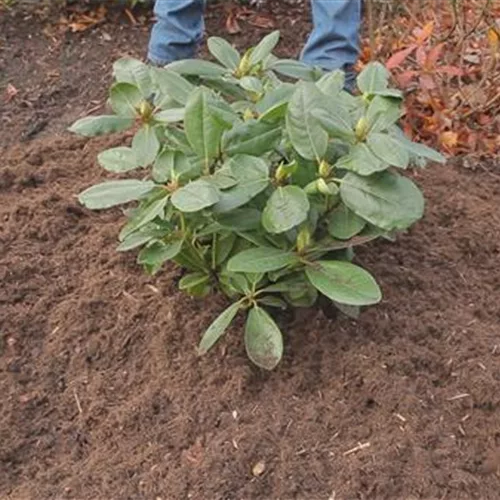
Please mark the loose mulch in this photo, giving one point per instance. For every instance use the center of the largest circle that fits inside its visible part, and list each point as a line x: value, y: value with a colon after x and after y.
x: 103, y: 394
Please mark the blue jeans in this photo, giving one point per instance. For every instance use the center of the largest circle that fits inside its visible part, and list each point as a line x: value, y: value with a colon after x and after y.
x: 333, y: 43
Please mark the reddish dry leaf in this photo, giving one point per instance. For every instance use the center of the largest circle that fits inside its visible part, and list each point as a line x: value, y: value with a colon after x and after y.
x: 421, y: 56
x: 422, y: 34
x: 451, y: 70
x: 433, y: 55
x: 427, y: 81
x: 260, y: 21
x: 404, y: 79
x: 399, y: 57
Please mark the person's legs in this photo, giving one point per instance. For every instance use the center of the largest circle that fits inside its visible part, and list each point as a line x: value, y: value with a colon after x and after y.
x: 177, y: 32
x: 334, y: 41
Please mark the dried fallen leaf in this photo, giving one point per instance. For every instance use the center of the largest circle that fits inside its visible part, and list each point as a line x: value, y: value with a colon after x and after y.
x: 449, y: 139
x: 232, y: 25
x: 10, y: 92
x: 260, y: 21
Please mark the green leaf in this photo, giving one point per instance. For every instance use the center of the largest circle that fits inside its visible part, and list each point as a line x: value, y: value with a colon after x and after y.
x: 306, y: 133
x: 100, y: 125
x: 388, y: 149
x: 112, y: 193
x: 332, y: 83
x: 145, y: 145
x: 252, y: 174
x: 386, y: 200
x: 261, y: 260
x: 240, y: 219
x: 120, y: 159
x: 217, y: 328
x: 252, y: 84
x: 224, y: 52
x: 202, y: 129
x: 263, y: 339
x: 275, y: 113
x: 251, y: 137
x: 286, y: 208
x: 344, y: 223
x: 156, y: 254
x: 173, y: 85
x: 264, y: 48
x: 350, y: 311
x: 382, y: 113
x: 344, y: 283
x: 277, y: 96
x: 146, y: 212
x: 195, y: 196
x: 222, y: 178
x: 273, y: 302
x: 197, y: 67
x: 373, y: 78
x: 336, y: 121
x: 125, y: 99
x: 361, y: 160
x: 173, y: 165
x: 419, y: 150
x: 223, y: 247
x: 135, y: 72
x: 140, y: 237
x: 172, y: 115
x: 293, y: 69
x: 193, y: 280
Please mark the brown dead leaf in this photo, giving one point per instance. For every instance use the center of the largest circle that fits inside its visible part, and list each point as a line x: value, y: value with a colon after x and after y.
x: 261, y: 21
x: 448, y: 139
x: 232, y: 25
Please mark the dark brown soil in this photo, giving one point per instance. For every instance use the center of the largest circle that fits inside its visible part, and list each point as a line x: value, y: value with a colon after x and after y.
x: 104, y: 397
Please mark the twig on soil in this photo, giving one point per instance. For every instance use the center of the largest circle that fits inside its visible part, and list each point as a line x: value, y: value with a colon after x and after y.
x: 459, y: 396
x: 361, y: 446
x: 79, y: 406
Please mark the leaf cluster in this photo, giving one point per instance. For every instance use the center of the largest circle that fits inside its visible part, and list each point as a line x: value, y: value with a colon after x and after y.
x: 258, y: 176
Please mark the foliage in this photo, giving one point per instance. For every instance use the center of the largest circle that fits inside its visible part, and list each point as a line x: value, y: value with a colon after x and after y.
x: 256, y: 186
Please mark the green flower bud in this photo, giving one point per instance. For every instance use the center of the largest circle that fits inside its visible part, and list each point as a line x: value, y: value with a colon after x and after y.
x: 361, y: 129
x: 303, y: 239
x: 324, y: 169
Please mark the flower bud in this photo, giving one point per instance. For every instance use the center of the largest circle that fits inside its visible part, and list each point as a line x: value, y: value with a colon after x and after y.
x: 303, y: 239
x: 323, y: 187
x: 324, y: 169
x: 145, y: 110
x: 361, y: 129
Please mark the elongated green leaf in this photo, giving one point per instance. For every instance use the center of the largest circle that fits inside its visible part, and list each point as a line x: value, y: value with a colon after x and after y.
x: 251, y: 137
x: 240, y: 219
x: 120, y: 159
x: 195, y: 196
x: 271, y: 301
x: 223, y: 247
x: 171, y: 115
x: 336, y: 121
x: 277, y: 96
x: 202, y: 129
x: 388, y: 149
x: 362, y: 161
x: 193, y: 280
x: 125, y: 99
x: 217, y: 328
x: 344, y: 283
x: 261, y: 260
x: 146, y: 212
x: 145, y: 145
x: 332, y: 83
x: 263, y: 339
x: 135, y: 72
x: 275, y: 113
x: 223, y: 178
x: 383, y: 113
x: 112, y: 193
x: 264, y: 48
x: 344, y: 223
x: 197, y: 67
x: 224, y: 52
x: 171, y: 165
x: 140, y: 237
x: 252, y: 174
x: 286, y: 208
x: 156, y: 254
x: 100, y: 125
x: 419, y: 150
x: 307, y: 135
x: 294, y: 69
x: 252, y: 84
x: 173, y: 85
x: 374, y: 77
x: 386, y: 200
